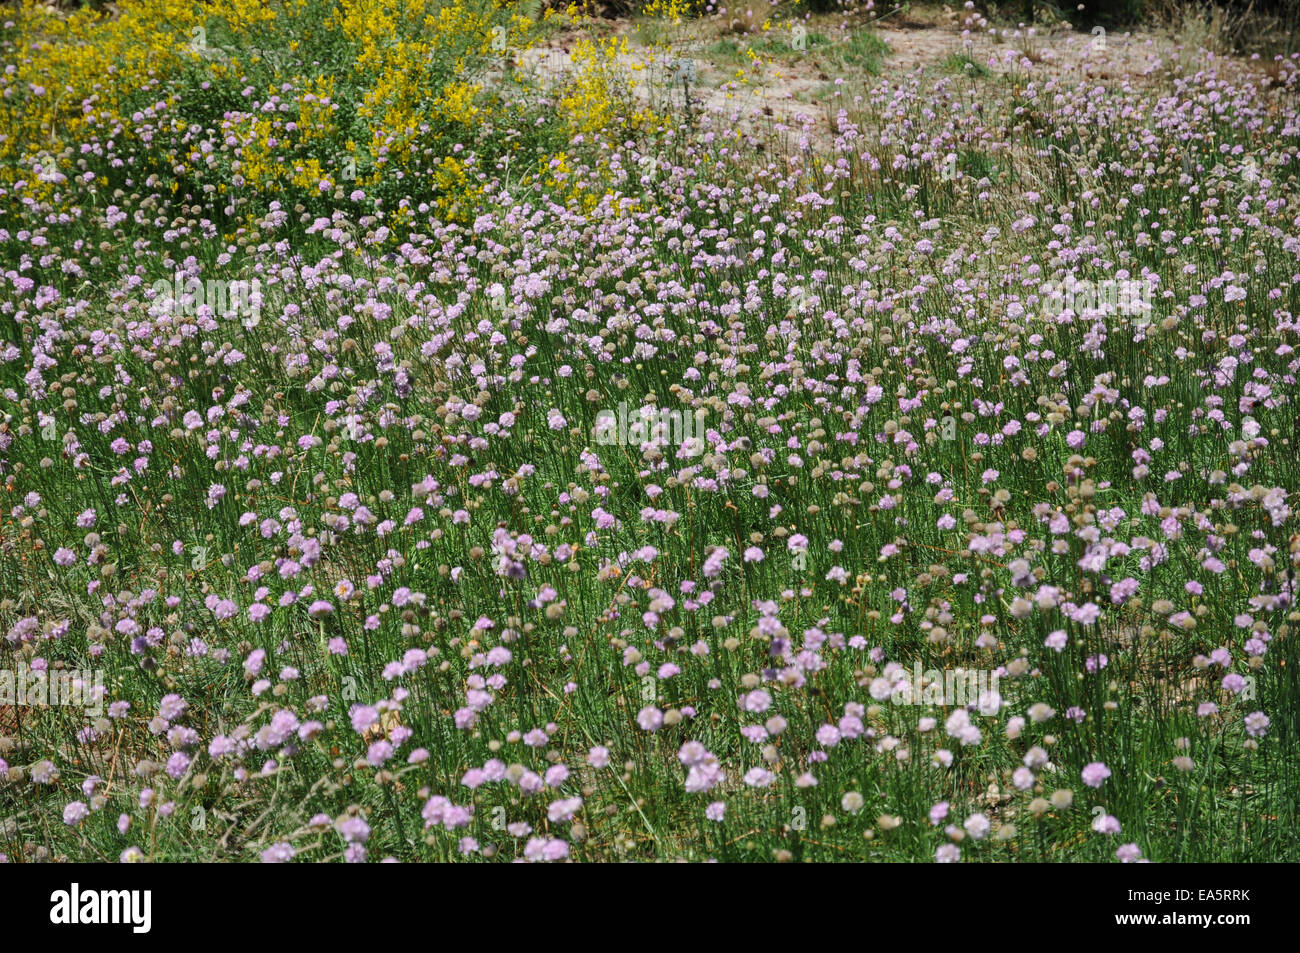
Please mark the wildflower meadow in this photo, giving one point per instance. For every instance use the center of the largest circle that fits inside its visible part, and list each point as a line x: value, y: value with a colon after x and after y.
x: 475, y: 431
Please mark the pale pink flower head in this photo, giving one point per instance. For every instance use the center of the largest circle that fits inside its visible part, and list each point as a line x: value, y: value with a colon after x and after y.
x: 1095, y: 774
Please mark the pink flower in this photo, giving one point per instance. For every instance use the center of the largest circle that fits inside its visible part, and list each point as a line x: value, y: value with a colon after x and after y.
x: 650, y: 718
x: 1095, y: 774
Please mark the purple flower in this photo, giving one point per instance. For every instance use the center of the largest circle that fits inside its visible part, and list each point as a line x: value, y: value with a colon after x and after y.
x: 353, y: 830
x: 1094, y: 774
x: 171, y: 707
x: 279, y: 853
x: 363, y: 717
x: 650, y: 718
x: 320, y: 609
x: 1105, y: 824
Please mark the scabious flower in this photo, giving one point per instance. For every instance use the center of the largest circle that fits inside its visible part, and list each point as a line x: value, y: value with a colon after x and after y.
x: 545, y: 849
x: 650, y: 718
x: 713, y: 563
x: 703, y: 770
x: 1256, y: 724
x: 1094, y: 774
x: 320, y: 609
x: 828, y: 736
x: 353, y: 829
x: 363, y: 717
x: 278, y: 853
x: 1128, y: 853
x: 171, y: 707
x: 1105, y: 824
x: 536, y: 738
x: 563, y: 809
x: 759, y: 778
x: 256, y: 659
x: 977, y: 826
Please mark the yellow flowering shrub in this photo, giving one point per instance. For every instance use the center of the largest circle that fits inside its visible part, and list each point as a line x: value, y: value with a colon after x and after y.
x: 598, y: 96
x: 674, y: 11
x: 401, y: 105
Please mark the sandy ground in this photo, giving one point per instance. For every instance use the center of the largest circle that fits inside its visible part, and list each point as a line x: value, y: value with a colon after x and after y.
x: 795, y: 90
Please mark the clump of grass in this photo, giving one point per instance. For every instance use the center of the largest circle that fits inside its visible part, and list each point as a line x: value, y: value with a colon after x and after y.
x: 963, y: 65
x: 865, y: 50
